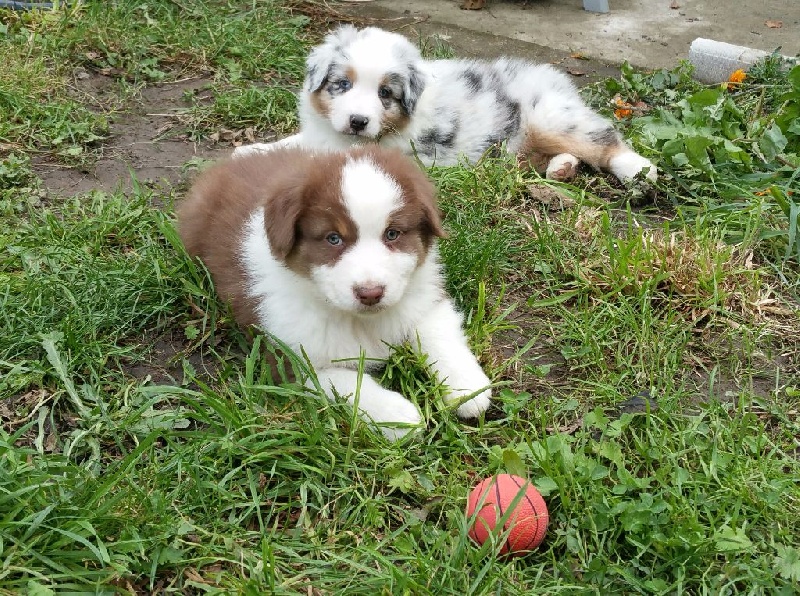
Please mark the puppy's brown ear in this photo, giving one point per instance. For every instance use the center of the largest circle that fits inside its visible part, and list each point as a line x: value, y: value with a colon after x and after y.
x: 418, y: 187
x: 281, y: 214
x: 426, y: 194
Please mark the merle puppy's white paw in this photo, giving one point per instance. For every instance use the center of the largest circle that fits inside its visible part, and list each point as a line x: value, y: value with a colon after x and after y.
x: 253, y: 149
x: 562, y: 167
x: 627, y: 165
x: 476, y: 406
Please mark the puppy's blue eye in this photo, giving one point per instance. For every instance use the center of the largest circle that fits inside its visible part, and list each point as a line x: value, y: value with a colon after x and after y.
x: 345, y: 84
x: 391, y: 235
x: 384, y: 93
x: 334, y: 239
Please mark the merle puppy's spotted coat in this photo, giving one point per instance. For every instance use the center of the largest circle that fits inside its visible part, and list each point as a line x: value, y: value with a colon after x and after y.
x: 371, y: 85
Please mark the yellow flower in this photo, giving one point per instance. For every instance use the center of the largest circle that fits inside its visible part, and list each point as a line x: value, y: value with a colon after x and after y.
x: 623, y: 108
x: 736, y: 78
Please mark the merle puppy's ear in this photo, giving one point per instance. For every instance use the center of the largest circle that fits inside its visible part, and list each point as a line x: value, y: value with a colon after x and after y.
x: 415, y: 78
x: 413, y: 88
x: 322, y: 57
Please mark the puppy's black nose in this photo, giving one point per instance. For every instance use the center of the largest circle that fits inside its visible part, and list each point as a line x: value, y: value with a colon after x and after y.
x: 358, y: 122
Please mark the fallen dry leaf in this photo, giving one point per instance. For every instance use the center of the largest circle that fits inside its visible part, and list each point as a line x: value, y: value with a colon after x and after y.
x: 51, y: 442
x: 550, y: 197
x: 567, y: 429
x: 575, y: 72
x: 472, y: 4
x: 578, y: 56
x: 774, y: 24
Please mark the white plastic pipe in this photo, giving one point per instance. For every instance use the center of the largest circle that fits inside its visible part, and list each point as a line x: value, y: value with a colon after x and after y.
x: 714, y: 61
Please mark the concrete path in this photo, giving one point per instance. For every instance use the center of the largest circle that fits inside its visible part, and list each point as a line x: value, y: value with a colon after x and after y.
x: 646, y: 33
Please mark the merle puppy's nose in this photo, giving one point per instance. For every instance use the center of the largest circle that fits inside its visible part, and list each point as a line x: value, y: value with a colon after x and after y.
x: 358, y: 122
x: 369, y: 295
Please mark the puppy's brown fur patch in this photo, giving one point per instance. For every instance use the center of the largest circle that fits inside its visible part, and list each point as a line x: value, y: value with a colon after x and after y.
x: 321, y: 101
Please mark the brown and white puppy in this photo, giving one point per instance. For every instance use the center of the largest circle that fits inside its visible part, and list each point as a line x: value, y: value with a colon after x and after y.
x: 336, y: 253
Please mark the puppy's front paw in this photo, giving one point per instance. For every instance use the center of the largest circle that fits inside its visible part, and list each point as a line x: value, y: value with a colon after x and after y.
x: 476, y: 406
x: 468, y: 384
x: 253, y: 149
x: 562, y: 167
x: 392, y: 413
x: 628, y: 164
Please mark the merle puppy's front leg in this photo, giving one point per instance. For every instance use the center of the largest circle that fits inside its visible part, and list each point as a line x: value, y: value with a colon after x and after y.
x: 255, y: 148
x: 392, y: 413
x: 442, y: 338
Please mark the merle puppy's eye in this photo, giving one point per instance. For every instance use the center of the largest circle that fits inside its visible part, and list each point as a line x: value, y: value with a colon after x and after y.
x: 384, y: 92
x: 334, y: 239
x: 344, y: 84
x: 391, y: 235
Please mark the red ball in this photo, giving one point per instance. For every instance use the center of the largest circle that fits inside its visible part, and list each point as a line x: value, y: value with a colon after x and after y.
x: 525, y: 525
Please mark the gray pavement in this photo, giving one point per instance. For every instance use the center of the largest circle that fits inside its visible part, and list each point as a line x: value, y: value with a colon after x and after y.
x: 646, y: 33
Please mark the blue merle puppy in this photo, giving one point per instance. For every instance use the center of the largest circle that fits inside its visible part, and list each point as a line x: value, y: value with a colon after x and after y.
x: 373, y: 86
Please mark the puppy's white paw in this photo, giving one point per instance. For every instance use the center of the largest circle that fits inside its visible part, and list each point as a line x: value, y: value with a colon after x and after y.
x: 392, y: 413
x: 465, y: 384
x: 253, y: 149
x: 389, y: 411
x: 628, y: 164
x: 476, y: 406
x: 562, y: 167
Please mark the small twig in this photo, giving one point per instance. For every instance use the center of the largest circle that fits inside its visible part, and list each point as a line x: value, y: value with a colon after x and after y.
x: 44, y: 396
x: 414, y: 22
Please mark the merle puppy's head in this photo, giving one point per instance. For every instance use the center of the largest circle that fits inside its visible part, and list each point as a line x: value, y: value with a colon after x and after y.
x: 365, y: 82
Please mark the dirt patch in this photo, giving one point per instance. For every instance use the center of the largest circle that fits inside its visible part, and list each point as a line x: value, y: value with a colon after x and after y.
x: 164, y: 364
x: 140, y: 142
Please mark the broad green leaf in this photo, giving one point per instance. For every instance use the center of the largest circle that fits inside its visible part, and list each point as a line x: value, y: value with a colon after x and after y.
x: 34, y: 588
x: 730, y: 539
x: 794, y: 77
x: 513, y: 463
x: 401, y: 480
x: 170, y: 555
x: 697, y: 151
x: 611, y: 451
x: 545, y: 485
x: 787, y: 562
x: 773, y: 142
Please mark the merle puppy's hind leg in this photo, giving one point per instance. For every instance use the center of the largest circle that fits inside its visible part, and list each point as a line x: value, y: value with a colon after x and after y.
x: 600, y: 146
x: 563, y: 167
x: 562, y: 127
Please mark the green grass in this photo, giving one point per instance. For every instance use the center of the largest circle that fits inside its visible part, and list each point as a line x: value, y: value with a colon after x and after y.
x: 146, y: 445
x: 36, y: 109
x: 250, y: 52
